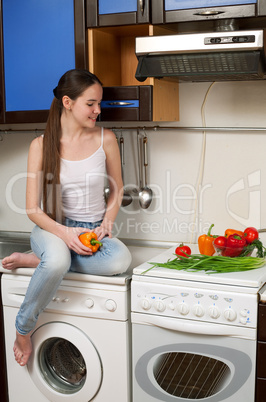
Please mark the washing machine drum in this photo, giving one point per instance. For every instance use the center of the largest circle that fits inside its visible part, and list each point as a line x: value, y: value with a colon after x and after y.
x: 64, y: 364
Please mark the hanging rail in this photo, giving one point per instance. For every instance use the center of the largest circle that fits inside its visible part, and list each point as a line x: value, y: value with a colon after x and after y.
x: 187, y: 128
x: 30, y: 130
x: 154, y: 128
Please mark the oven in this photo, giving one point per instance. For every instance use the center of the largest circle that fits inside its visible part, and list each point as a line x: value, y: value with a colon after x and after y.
x: 194, y: 339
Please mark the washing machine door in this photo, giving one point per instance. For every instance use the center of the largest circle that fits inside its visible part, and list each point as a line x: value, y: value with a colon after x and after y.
x: 65, y: 364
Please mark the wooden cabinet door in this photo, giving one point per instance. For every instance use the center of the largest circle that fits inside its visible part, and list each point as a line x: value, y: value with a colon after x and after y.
x: 261, y: 354
x: 102, y: 13
x: 41, y: 41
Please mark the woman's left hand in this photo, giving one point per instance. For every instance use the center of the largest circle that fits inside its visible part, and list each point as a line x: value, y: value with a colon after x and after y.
x: 102, y: 231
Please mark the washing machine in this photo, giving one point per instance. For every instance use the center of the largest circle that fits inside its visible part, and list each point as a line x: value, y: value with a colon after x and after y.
x: 81, y: 343
x: 82, y: 340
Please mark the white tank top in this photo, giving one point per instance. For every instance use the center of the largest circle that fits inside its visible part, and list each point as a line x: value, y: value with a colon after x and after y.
x: 82, y: 186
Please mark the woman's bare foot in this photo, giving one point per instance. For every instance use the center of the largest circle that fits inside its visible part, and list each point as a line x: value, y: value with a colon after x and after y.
x: 22, y: 348
x: 20, y: 260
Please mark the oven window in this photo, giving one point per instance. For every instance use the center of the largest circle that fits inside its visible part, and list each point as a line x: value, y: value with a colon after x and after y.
x: 188, y: 375
x: 62, y: 365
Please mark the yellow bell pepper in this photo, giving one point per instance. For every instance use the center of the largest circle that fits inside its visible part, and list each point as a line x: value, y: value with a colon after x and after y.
x: 205, y: 243
x: 90, y: 239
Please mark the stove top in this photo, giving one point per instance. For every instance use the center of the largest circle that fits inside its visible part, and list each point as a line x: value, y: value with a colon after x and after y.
x: 252, y: 279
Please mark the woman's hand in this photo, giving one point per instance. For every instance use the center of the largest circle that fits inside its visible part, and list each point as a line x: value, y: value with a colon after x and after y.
x: 103, y: 230
x: 71, y: 238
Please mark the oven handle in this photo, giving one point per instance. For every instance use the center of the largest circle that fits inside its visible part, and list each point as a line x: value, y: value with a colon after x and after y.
x: 193, y: 327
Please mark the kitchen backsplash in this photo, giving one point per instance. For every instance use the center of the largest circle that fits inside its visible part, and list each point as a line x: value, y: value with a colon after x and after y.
x: 232, y: 192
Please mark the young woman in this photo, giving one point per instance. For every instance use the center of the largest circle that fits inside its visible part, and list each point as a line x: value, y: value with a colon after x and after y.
x: 65, y: 197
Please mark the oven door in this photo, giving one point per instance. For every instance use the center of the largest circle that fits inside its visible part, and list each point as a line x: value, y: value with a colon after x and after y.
x: 176, y: 360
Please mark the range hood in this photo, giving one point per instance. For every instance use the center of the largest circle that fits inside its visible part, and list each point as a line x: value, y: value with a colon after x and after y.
x: 217, y: 56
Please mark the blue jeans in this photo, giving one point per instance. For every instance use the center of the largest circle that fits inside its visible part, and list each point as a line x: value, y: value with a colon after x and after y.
x: 56, y: 260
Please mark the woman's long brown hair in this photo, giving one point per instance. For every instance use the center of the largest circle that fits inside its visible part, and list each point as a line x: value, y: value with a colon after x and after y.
x: 72, y: 84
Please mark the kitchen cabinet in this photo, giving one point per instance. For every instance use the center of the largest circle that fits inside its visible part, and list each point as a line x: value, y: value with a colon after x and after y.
x: 169, y: 11
x: 261, y: 355
x: 112, y: 58
x: 117, y: 12
x: 2, y: 95
x: 41, y: 40
x: 120, y: 12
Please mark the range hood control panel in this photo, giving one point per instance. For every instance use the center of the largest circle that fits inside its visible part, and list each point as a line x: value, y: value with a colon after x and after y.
x: 229, y: 39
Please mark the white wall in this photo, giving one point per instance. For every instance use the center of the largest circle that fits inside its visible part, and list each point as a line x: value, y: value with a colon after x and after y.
x: 13, y: 168
x: 234, y: 182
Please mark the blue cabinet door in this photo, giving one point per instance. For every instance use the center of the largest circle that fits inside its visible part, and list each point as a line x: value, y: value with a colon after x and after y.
x: 38, y: 46
x: 117, y: 6
x: 117, y: 12
x: 186, y: 4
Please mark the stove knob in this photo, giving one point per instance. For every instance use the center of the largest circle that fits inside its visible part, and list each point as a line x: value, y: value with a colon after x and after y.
x: 198, y: 310
x: 214, y: 312
x: 89, y: 303
x: 243, y: 321
x: 159, y: 305
x: 183, y: 308
x: 244, y: 313
x: 145, y: 304
x: 56, y: 299
x: 230, y: 314
x: 110, y: 305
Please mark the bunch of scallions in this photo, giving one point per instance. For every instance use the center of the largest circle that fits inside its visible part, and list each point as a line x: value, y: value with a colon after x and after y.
x: 211, y: 264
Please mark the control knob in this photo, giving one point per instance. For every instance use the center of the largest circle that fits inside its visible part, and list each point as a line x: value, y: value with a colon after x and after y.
x: 110, y: 305
x: 244, y: 317
x: 145, y: 303
x: 214, y: 312
x: 230, y: 314
x: 89, y: 303
x: 198, y: 310
x: 159, y: 305
x: 243, y: 321
x: 183, y: 308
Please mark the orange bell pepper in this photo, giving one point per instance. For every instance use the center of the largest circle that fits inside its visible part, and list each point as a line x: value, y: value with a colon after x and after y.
x: 89, y: 239
x: 205, y: 243
x: 230, y: 232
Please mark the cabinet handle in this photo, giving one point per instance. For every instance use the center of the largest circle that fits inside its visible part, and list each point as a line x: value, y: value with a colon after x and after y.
x: 120, y: 103
x: 142, y: 6
x: 210, y: 12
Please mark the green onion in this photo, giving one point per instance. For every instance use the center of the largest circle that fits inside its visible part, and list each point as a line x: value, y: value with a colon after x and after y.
x: 211, y: 264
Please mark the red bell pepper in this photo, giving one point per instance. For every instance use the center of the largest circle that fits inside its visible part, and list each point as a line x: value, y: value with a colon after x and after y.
x: 234, y: 246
